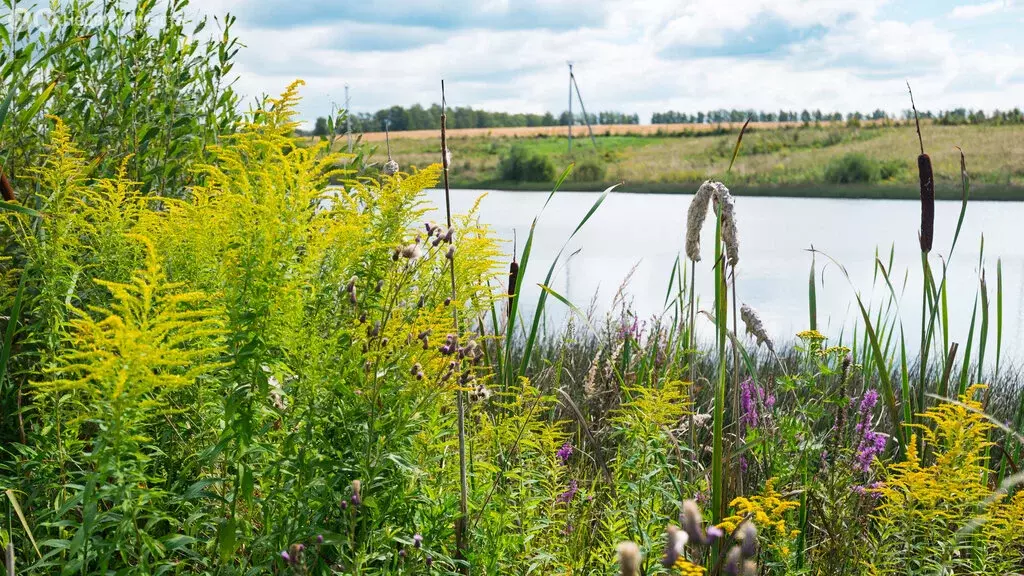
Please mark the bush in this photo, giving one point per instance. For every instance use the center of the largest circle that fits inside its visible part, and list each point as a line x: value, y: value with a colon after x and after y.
x: 522, y: 165
x: 588, y: 170
x: 852, y: 168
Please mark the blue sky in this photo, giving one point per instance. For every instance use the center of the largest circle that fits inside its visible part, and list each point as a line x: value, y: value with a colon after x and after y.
x: 634, y: 55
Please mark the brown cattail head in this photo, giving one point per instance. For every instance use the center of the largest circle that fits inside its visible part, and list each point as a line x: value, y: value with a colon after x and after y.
x: 5, y: 188
x: 924, y: 169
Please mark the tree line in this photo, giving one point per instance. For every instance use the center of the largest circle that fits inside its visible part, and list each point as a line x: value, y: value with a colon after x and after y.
x: 416, y: 117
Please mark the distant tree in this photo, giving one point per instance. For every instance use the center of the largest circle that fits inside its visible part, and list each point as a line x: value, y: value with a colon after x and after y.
x: 320, y: 128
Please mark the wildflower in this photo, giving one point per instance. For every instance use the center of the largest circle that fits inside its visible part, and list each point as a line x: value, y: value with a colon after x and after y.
x: 401, y: 553
x: 749, y: 399
x: 724, y: 202
x: 569, y: 494
x: 319, y: 538
x: 429, y: 561
x: 344, y: 505
x: 357, y: 497
x: 693, y: 522
x: 695, y: 217
x: 411, y: 252
x: 448, y: 235
x: 286, y: 557
x: 871, y: 445
x: 417, y: 540
x: 714, y: 533
x: 447, y: 301
x: 564, y: 453
x: 755, y: 327
x: 810, y: 335
x: 687, y: 568
x: 450, y: 253
x: 380, y: 286
x: 675, y: 544
x: 390, y: 168
x: 629, y: 559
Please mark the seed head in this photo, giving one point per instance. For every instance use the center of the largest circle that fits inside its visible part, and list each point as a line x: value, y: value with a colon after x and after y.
x: 390, y: 168
x: 411, y: 252
x: 695, y: 217
x: 675, y: 544
x: 725, y: 201
x: 755, y: 327
x: 629, y: 559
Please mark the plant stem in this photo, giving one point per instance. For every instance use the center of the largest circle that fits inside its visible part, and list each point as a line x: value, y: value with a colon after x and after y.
x: 460, y: 524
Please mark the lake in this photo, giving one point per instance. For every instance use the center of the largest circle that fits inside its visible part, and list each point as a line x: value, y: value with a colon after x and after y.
x: 646, y: 231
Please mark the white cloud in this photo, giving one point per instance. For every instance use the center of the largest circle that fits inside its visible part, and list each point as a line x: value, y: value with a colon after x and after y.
x: 858, y: 59
x: 970, y: 11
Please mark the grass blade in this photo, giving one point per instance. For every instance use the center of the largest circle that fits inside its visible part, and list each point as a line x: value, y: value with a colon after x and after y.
x: 24, y: 522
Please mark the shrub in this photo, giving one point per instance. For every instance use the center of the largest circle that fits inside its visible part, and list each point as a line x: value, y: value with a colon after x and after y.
x: 852, y: 168
x: 522, y: 165
x: 588, y: 170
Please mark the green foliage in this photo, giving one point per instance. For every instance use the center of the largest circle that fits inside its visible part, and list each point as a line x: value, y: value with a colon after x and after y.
x: 589, y: 170
x: 140, y: 82
x: 852, y: 168
x: 521, y: 165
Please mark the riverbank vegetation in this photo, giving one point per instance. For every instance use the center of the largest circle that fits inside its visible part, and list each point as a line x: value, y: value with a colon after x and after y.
x: 215, y: 362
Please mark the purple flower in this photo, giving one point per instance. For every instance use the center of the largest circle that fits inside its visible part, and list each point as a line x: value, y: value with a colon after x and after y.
x: 564, y: 453
x: 429, y: 561
x: 286, y: 557
x: 750, y: 395
x: 714, y: 532
x: 743, y: 464
x: 567, y: 496
x: 417, y: 540
x: 867, y: 403
x: 319, y: 538
x: 871, y: 445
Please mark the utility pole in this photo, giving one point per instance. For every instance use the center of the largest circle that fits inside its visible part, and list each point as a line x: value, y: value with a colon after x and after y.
x: 572, y: 78
x: 570, y: 106
x: 348, y: 121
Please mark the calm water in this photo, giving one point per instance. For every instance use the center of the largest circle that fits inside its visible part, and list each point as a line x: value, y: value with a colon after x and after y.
x: 646, y: 231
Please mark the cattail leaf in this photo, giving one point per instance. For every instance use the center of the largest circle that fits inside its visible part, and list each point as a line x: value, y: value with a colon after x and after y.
x: 21, y: 518
x: 5, y: 106
x: 13, y: 207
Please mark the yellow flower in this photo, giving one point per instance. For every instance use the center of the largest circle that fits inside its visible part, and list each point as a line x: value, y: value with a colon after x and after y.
x: 687, y: 568
x: 810, y: 335
x: 767, y: 510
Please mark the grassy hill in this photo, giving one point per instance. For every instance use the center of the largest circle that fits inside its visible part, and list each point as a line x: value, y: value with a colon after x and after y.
x: 837, y: 160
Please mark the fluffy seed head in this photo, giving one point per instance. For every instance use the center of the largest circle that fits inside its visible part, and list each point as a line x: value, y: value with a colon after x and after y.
x: 729, y: 236
x: 695, y: 217
x: 675, y: 543
x: 629, y: 559
x: 755, y: 327
x: 390, y: 168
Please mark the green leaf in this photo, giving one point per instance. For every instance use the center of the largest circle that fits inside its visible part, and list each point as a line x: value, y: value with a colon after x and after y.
x: 226, y: 539
x: 14, y: 207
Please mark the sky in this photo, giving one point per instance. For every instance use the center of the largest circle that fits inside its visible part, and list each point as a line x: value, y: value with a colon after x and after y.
x: 633, y: 56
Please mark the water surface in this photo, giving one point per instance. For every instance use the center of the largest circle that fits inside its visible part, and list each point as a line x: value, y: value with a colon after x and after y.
x: 643, y: 233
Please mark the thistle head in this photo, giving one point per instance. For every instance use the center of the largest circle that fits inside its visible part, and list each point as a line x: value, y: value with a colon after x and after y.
x: 629, y: 559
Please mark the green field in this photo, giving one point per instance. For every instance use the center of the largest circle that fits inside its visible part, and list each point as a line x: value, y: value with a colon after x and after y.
x: 791, y: 161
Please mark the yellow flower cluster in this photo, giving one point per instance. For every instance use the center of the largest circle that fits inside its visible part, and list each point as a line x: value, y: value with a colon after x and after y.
x: 837, y: 351
x: 924, y: 507
x: 767, y: 510
x: 687, y: 568
x: 810, y: 335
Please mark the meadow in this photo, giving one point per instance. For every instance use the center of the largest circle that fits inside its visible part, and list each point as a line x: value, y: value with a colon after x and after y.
x: 214, y: 361
x: 870, y: 160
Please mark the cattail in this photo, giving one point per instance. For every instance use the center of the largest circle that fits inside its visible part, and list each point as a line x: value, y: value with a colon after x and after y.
x: 5, y: 188
x: 675, y: 543
x: 629, y: 559
x: 755, y: 327
x: 695, y: 219
x: 724, y: 202
x: 924, y: 171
